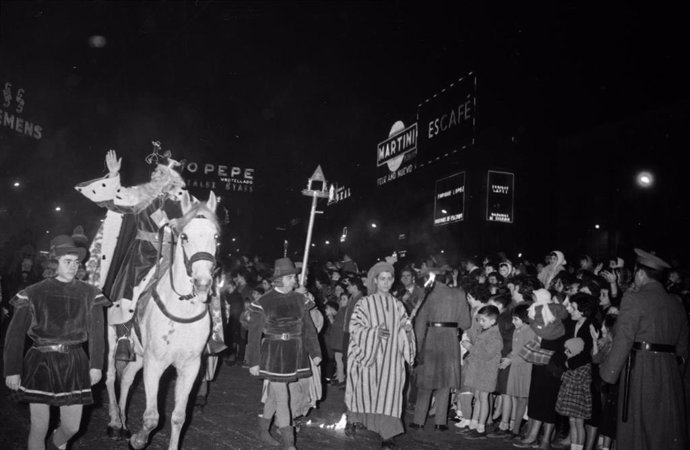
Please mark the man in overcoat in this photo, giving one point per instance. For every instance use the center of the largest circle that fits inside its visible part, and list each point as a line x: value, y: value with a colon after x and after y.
x: 439, y: 321
x: 650, y: 339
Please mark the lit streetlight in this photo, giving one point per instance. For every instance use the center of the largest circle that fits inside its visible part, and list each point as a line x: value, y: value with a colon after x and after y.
x: 58, y: 209
x: 16, y: 184
x: 645, y: 179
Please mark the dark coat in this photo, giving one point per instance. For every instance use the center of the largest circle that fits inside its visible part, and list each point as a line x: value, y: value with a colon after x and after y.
x: 656, y: 414
x: 439, y: 347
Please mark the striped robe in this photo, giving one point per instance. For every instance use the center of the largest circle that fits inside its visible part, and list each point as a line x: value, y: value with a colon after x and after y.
x: 375, y: 366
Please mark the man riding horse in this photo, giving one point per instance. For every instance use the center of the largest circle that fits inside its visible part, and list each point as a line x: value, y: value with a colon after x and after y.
x: 127, y: 245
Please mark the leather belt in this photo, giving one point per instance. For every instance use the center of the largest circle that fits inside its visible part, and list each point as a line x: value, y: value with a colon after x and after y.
x: 282, y: 337
x: 61, y: 348
x: 442, y: 324
x: 660, y: 348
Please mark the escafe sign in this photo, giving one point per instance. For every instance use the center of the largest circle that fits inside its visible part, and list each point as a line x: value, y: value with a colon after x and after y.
x: 448, y: 119
x: 11, y: 112
x: 218, y: 176
x: 500, y: 196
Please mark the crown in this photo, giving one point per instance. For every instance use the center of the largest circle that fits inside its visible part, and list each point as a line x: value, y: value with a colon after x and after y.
x: 165, y: 158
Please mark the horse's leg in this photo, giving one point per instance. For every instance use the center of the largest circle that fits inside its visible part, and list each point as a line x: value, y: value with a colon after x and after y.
x: 126, y: 380
x: 186, y: 375
x: 152, y: 373
x: 115, y: 424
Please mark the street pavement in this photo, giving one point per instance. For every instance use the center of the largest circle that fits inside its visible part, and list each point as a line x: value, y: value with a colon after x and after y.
x: 228, y: 421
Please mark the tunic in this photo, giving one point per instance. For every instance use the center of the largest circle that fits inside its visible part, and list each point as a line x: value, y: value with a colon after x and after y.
x: 656, y: 413
x: 52, y: 312
x: 438, y: 346
x: 282, y: 337
x: 376, y: 365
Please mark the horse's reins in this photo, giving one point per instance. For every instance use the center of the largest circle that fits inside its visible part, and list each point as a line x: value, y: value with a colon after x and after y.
x: 199, y: 256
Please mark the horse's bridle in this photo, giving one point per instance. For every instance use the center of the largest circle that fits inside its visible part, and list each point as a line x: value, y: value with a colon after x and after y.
x: 188, y: 261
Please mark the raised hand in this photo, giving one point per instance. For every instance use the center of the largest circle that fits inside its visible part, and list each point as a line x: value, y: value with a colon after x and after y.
x: 113, y: 163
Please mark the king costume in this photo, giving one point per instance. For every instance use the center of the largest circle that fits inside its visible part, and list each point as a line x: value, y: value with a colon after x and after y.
x: 59, y: 318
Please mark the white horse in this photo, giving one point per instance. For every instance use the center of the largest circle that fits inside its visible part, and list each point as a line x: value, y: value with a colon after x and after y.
x: 175, y: 324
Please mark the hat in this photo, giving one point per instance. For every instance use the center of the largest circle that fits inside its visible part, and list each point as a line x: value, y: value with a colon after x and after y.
x: 79, y: 237
x: 375, y: 270
x: 652, y: 261
x: 284, y: 266
x: 64, y: 245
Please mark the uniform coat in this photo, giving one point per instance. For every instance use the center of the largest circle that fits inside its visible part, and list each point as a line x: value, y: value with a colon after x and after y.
x: 438, y: 347
x: 656, y: 414
x: 376, y: 365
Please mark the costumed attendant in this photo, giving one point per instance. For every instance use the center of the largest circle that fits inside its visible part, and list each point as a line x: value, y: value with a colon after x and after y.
x: 131, y: 237
x: 59, y: 314
x: 282, y: 339
x: 381, y: 341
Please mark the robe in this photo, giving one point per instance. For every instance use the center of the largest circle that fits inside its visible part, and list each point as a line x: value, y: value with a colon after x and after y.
x: 376, y: 365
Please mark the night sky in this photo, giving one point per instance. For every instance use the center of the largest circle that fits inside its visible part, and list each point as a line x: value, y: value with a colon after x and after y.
x: 585, y: 96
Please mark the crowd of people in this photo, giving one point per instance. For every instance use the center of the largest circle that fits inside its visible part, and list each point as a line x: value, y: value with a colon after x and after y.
x: 578, y: 350
x: 489, y: 343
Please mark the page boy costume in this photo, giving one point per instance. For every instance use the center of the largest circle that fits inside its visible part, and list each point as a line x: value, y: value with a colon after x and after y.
x: 59, y: 318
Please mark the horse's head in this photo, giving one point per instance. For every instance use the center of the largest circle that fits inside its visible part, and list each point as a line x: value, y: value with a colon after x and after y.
x: 198, y: 233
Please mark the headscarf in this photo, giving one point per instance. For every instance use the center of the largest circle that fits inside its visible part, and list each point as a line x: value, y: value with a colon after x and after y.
x: 552, y: 269
x: 375, y: 270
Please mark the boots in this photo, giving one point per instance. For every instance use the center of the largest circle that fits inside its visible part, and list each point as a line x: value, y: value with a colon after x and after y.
x: 265, y: 432
x: 287, y: 436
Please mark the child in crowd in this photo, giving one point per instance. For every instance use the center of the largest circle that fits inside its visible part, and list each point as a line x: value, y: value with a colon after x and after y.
x: 477, y: 296
x: 520, y: 370
x: 600, y: 350
x: 334, y: 340
x: 482, y: 367
x: 503, y: 406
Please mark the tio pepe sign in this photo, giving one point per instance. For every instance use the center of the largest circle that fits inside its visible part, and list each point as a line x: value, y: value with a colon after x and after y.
x: 215, y: 176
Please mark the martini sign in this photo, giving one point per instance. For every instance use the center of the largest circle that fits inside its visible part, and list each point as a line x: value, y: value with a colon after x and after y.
x: 396, y: 156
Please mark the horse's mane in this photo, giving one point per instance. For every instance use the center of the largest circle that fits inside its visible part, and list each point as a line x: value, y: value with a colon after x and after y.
x: 198, y: 209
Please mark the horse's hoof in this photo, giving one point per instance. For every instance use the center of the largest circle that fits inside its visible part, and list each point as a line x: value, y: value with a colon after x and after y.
x: 124, y: 433
x: 113, y: 433
x: 136, y: 444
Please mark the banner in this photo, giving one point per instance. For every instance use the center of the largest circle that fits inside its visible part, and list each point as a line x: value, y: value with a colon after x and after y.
x: 500, y: 188
x: 449, y: 202
x: 447, y: 120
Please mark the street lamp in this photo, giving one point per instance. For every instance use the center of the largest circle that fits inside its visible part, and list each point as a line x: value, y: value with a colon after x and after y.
x: 645, y: 179
x: 316, y: 189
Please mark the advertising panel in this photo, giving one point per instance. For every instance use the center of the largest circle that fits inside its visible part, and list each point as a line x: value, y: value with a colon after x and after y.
x: 396, y: 156
x: 500, y: 191
x: 447, y: 120
x: 449, y: 200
